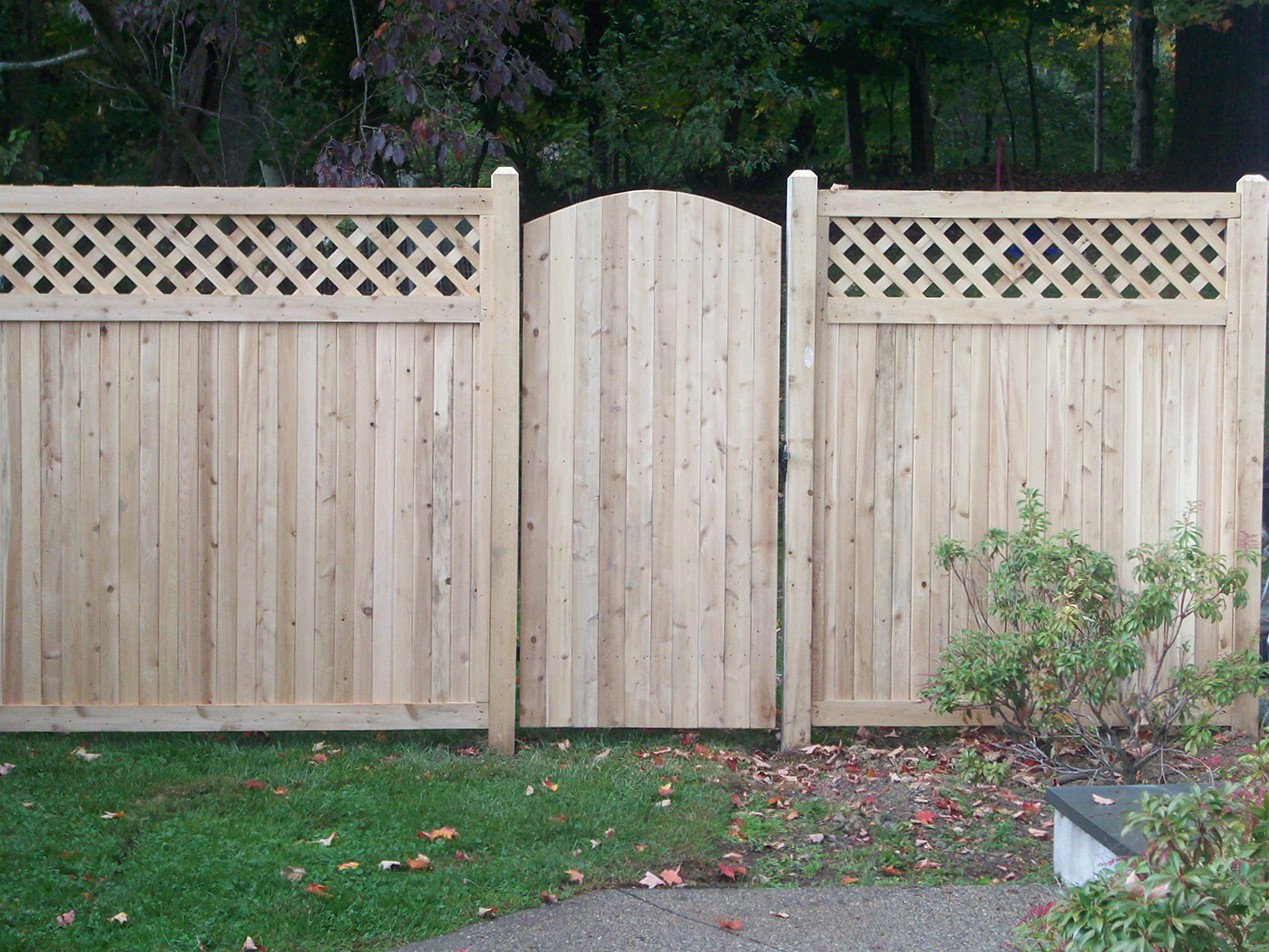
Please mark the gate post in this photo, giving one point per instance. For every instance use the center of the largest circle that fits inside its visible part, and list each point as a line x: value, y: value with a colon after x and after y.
x: 502, y: 320
x: 1245, y: 331
x: 802, y: 261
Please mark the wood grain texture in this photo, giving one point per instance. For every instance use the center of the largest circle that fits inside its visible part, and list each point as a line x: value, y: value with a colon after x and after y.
x: 647, y: 566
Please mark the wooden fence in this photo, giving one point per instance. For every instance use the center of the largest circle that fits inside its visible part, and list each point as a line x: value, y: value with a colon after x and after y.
x: 650, y: 431
x: 257, y: 458
x: 947, y: 350
x: 258, y: 448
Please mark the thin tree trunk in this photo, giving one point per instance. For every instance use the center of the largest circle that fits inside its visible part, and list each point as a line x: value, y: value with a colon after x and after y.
x: 1142, y: 26
x: 1004, y: 96
x: 920, y: 119
x: 856, y: 139
x: 1032, y: 93
x: 1099, y: 89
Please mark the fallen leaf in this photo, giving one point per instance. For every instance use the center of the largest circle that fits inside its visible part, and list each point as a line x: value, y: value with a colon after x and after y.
x: 293, y: 873
x: 256, y: 785
x: 66, y: 918
x: 120, y: 917
x: 549, y: 785
x: 564, y: 744
x: 662, y: 804
x: 671, y: 877
x: 1038, y: 834
x: 250, y: 946
x: 891, y: 871
x: 609, y: 833
x: 83, y: 754
x: 443, y: 833
x: 651, y: 880
x: 594, y: 844
x: 486, y: 912
x: 389, y: 864
x: 317, y: 889
x: 352, y: 864
x: 602, y: 754
x: 1102, y: 801
x: 326, y: 840
x: 280, y: 791
x: 924, y: 817
x: 729, y: 925
x: 640, y: 847
x: 849, y: 880
x: 419, y: 862
x: 381, y: 738
x: 731, y: 872
x: 460, y: 856
x: 318, y: 759
x: 5, y: 768
x: 549, y: 899
x: 528, y: 791
x: 319, y: 746
x: 816, y: 837
x: 574, y: 876
x: 780, y: 915
x: 665, y: 789
x: 737, y: 802
x: 112, y: 815
x: 925, y: 864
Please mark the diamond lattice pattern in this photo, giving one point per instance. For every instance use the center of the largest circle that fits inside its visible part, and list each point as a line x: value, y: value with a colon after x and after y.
x: 351, y: 255
x: 1026, y: 258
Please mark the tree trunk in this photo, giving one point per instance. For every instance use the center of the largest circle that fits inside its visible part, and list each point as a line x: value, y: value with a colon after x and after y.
x: 20, y: 89
x: 1033, y: 94
x: 920, y: 118
x: 1219, y: 129
x: 856, y: 137
x: 1142, y: 26
x: 1099, y: 89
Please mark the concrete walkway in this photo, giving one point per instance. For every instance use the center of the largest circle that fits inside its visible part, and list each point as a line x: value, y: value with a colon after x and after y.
x: 842, y: 919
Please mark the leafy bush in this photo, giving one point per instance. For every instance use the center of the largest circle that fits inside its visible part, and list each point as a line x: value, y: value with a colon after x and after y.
x: 1201, y: 884
x: 973, y: 767
x: 1072, y: 663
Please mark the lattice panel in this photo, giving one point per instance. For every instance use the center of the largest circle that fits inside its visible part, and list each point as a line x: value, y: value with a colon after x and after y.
x: 1006, y: 258
x: 354, y: 255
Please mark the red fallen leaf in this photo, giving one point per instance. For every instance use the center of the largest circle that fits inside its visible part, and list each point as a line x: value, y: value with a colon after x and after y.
x: 729, y: 925
x: 256, y: 785
x: 731, y: 872
x: 550, y: 785
x: 924, y: 817
x: 319, y: 759
x: 419, y: 862
x: 460, y: 856
x: 317, y: 889
x: 574, y: 876
x: 549, y: 899
x: 849, y: 880
x: 737, y: 802
x: 665, y: 789
x: 66, y: 918
x: 443, y: 833
x: 671, y: 877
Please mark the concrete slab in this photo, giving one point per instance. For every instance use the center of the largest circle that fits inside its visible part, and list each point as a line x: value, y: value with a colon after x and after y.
x: 842, y: 919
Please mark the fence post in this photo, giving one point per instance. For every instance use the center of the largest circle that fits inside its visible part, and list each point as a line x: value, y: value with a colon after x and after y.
x: 501, y: 249
x: 1247, y: 317
x: 802, y: 261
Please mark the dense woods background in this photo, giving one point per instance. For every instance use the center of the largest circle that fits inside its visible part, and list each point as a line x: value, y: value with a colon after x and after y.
x: 723, y: 97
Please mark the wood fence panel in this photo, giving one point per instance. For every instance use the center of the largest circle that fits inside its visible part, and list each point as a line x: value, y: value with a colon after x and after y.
x: 648, y: 527
x: 967, y: 348
x: 254, y: 513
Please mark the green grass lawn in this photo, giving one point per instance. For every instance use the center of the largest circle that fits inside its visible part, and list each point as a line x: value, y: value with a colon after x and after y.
x: 207, y: 825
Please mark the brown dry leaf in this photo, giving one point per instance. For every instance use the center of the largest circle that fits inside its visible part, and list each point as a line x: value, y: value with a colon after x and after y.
x: 564, y: 744
x: 109, y: 815
x: 731, y: 872
x: 486, y: 912
x: 318, y: 759
x: 120, y: 917
x: 574, y: 876
x: 351, y: 864
x: 548, y: 899
x: 327, y: 840
x: 443, y: 833
x: 293, y: 873
x: 280, y: 791
x: 317, y: 889
x: 672, y: 877
x: 594, y: 844
x: 849, y: 880
x: 1038, y: 834
x: 609, y: 833
x: 1102, y: 801
x: 891, y: 871
x: 729, y: 925
x: 925, y: 864
x: 640, y: 847
x: 651, y: 880
x: 419, y: 862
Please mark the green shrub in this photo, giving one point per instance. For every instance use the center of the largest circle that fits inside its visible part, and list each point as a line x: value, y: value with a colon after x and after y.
x: 973, y: 767
x: 1201, y: 884
x: 1070, y: 661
